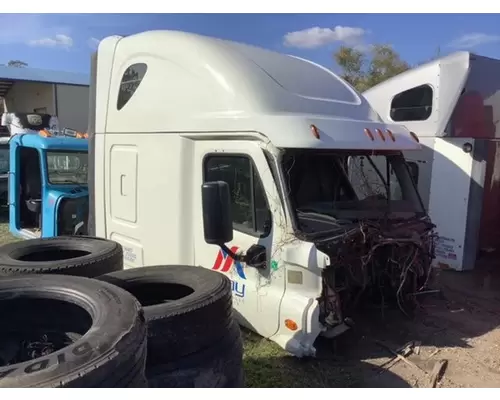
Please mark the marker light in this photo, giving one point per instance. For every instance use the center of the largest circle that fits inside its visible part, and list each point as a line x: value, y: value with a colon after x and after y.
x: 414, y: 136
x: 390, y: 134
x: 380, y: 134
x: 315, y: 131
x: 369, y: 134
x: 291, y: 324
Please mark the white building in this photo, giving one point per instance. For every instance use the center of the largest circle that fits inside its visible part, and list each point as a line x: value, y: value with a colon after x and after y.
x: 64, y: 94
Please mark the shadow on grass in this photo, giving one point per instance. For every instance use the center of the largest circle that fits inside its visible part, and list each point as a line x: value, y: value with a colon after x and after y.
x: 267, y: 365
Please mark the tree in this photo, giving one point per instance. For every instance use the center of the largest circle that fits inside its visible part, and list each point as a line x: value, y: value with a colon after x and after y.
x: 366, y: 69
x: 16, y: 64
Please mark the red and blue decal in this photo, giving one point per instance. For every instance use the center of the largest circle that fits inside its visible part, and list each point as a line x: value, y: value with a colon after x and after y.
x: 224, y: 262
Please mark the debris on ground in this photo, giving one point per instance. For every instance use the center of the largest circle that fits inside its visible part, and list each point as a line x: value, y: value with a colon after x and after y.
x: 437, y: 372
x: 402, y: 354
x: 408, y: 350
x: 417, y: 345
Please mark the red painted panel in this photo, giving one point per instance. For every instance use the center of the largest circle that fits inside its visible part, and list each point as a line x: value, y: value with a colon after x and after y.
x: 489, y: 234
x: 472, y: 118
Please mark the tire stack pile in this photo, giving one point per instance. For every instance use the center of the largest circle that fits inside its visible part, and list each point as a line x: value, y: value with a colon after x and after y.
x: 70, y: 316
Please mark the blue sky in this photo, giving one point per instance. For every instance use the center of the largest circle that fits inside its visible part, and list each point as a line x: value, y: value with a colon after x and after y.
x: 65, y: 41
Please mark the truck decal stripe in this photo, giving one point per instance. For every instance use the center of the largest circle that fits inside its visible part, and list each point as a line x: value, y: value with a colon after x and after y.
x: 228, y: 261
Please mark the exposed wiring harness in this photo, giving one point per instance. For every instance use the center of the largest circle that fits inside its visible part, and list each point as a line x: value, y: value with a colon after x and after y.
x: 391, y: 262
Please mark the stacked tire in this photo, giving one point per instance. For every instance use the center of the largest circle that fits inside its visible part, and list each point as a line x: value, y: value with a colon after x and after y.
x: 161, y: 326
x: 193, y: 338
x: 64, y: 255
x: 64, y: 331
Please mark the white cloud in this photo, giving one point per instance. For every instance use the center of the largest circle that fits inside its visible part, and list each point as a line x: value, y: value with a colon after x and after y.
x: 58, y: 40
x: 93, y: 43
x: 316, y: 37
x: 471, y: 40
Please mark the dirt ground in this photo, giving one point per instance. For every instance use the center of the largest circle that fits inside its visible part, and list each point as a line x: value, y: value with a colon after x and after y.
x: 459, y: 324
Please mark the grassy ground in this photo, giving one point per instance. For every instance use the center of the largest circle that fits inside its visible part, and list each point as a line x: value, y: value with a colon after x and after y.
x: 5, y: 236
x: 267, y: 365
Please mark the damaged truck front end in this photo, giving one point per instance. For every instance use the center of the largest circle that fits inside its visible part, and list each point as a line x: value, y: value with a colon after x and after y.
x: 362, y: 212
x: 374, y: 264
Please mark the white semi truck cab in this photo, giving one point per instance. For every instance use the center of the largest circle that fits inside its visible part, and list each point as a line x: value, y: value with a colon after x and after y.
x: 305, y: 190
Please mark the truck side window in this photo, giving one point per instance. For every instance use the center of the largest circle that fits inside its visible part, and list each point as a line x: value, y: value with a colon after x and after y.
x: 131, y: 79
x: 414, y: 171
x: 248, y: 199
x: 412, y: 105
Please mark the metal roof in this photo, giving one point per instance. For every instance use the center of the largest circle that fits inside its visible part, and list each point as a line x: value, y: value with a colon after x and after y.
x: 9, y: 75
x: 50, y: 143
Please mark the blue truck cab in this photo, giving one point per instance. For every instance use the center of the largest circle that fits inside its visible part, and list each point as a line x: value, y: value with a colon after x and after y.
x: 48, y: 192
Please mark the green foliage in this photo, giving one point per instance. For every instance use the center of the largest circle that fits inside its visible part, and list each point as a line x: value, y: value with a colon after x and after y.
x: 16, y: 64
x: 366, y: 69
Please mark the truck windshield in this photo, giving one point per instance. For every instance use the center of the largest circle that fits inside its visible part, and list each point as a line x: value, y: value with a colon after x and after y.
x: 67, y: 167
x: 350, y: 186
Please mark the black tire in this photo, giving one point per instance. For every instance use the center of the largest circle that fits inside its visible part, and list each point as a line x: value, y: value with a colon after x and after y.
x: 64, y: 255
x: 218, y: 366
x: 199, y: 317
x: 106, y: 325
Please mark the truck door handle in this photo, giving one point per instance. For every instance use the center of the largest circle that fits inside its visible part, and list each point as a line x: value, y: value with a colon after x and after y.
x: 122, y: 177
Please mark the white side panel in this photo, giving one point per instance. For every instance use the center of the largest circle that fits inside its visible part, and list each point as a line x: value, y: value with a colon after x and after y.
x: 449, y: 200
x: 26, y: 97
x: 452, y: 78
x: 423, y: 160
x: 99, y: 194
x: 73, y: 106
x: 104, y: 71
x: 446, y: 76
x: 123, y: 190
x: 148, y: 198
x: 380, y: 97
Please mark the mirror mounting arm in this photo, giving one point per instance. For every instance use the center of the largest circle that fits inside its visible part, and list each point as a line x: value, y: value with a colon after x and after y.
x: 254, y: 257
x: 233, y: 255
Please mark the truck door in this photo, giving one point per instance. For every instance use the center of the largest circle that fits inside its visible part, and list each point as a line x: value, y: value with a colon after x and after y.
x: 257, y: 213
